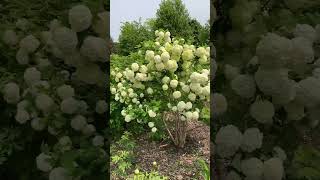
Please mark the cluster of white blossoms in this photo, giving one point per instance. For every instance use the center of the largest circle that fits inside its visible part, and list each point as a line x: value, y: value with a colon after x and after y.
x: 282, y: 76
x: 269, y: 73
x: 277, y: 57
x: 255, y: 169
x: 50, y: 98
x: 169, y: 75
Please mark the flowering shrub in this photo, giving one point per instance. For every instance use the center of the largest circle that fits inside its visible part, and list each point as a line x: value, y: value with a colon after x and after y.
x: 267, y: 88
x: 54, y: 92
x: 171, y: 85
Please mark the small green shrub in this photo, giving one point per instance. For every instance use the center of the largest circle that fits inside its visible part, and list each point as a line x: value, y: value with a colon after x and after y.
x: 153, y: 175
x: 122, y: 155
x: 205, y: 171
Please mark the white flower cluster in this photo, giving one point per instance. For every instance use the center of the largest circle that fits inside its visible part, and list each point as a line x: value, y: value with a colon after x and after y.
x: 59, y: 173
x: 49, y: 97
x: 229, y: 139
x: 135, y: 84
x: 80, y: 18
x: 244, y: 86
x: 262, y: 111
x: 11, y: 93
x: 219, y: 103
x: 254, y: 168
x: 43, y: 162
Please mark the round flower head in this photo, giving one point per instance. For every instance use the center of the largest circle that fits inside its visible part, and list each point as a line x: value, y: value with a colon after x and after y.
x: 220, y: 104
x: 244, y: 86
x: 69, y: 105
x: 52, y: 130
x: 201, y: 51
x: 206, y: 91
x: 65, y: 39
x: 65, y: 143
x: 192, y: 97
x: 305, y: 31
x: 32, y: 75
x: 22, y: 57
x: 94, y: 48
x: 151, y: 124
x: 101, y: 25
x: 101, y: 106
x: 152, y: 113
x: 186, y: 88
x: 273, y: 50
x: 252, y: 168
x: 176, y: 94
x: 271, y: 81
x: 172, y: 65
x: 181, y: 105
x: 30, y: 44
x: 308, y: 92
x: 80, y: 18
x: 160, y: 66
x: 123, y: 112
x: 203, y: 60
x: 187, y: 55
x: 43, y: 162
x: 11, y: 93
x: 98, y: 141
x: 273, y: 169
x: 22, y: 116
x: 280, y: 153
x: 78, y: 122
x: 89, y: 129
x: 228, y: 140
x: 165, y: 87
x: 150, y: 90
x: 174, y: 83
x: 128, y: 118
x: 59, y: 173
x: 252, y: 140
x: 262, y: 111
x: 174, y: 108
x: 157, y: 59
x: 188, y: 105
x: 165, y: 56
x: 65, y: 91
x: 143, y: 69
x: 149, y: 55
x: 134, y: 100
x: 135, y: 67
x: 38, y: 124
x: 189, y: 115
x: 196, y: 88
x: 44, y: 102
x: 165, y: 80
x: 195, y: 115
x: 154, y: 129
x: 119, y: 75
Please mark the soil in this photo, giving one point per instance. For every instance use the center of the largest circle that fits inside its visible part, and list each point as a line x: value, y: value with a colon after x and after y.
x: 177, y: 164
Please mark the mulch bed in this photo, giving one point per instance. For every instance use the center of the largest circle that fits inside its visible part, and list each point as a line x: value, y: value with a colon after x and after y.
x: 177, y: 164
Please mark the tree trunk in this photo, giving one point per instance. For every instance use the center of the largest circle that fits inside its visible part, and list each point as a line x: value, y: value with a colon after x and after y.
x: 178, y: 132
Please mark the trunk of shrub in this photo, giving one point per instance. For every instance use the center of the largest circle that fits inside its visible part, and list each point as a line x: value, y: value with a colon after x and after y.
x: 176, y: 128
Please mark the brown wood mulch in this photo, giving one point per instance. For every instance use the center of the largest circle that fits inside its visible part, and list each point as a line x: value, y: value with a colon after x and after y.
x: 177, y: 164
